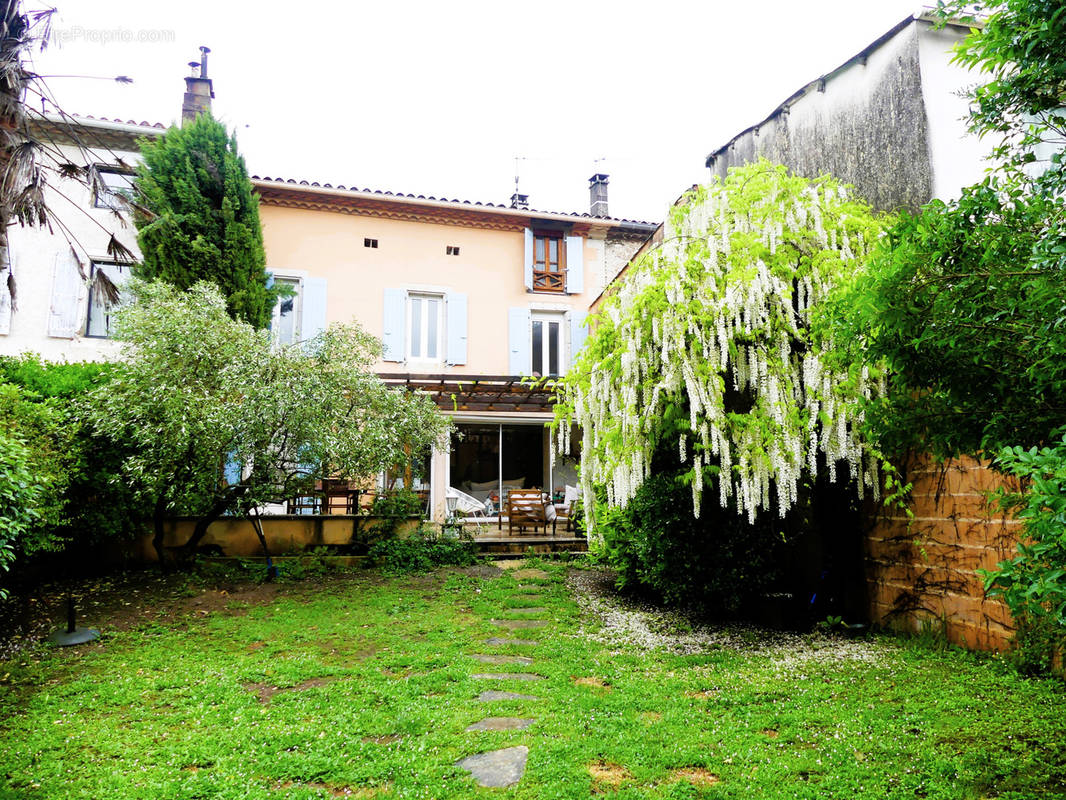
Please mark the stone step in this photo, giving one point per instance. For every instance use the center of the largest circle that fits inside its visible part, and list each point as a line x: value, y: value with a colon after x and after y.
x: 497, y: 768
x: 531, y: 610
x: 506, y: 676
x: 501, y: 724
x: 520, y: 624
x: 497, y: 641
x: 491, y: 659
x: 492, y: 695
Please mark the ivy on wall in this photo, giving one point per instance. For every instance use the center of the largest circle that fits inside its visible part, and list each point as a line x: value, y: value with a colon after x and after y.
x: 708, y: 346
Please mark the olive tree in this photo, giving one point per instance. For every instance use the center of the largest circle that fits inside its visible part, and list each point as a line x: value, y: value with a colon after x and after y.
x: 198, y: 389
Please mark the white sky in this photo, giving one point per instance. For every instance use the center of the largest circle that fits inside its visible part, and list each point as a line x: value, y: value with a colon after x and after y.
x: 438, y: 98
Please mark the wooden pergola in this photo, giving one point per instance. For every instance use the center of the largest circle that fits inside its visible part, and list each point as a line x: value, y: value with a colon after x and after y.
x: 501, y: 393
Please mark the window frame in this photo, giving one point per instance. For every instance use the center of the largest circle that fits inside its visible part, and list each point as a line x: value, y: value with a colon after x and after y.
x: 93, y: 265
x: 423, y: 331
x: 546, y: 279
x: 107, y: 200
x: 298, y: 309
x: 546, y: 318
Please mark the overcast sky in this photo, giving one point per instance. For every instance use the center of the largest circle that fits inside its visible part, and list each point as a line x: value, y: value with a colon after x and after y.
x: 438, y: 98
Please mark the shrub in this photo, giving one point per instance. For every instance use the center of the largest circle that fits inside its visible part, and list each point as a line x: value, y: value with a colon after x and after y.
x: 422, y: 552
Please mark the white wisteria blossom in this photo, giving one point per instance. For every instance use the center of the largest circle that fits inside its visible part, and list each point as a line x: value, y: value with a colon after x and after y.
x: 707, y: 343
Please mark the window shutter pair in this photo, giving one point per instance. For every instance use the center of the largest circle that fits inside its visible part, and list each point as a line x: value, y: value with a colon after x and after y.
x: 312, y: 306
x: 394, y: 328
x: 575, y: 263
x: 520, y: 343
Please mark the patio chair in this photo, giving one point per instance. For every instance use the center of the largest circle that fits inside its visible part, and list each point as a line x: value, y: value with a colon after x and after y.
x: 469, y: 507
x: 526, y: 508
x: 566, y: 511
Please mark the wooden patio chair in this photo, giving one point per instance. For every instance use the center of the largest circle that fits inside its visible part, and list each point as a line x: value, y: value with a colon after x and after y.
x: 525, y: 509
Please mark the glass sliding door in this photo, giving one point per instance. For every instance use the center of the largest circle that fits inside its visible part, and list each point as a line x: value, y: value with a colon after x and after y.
x: 488, y: 460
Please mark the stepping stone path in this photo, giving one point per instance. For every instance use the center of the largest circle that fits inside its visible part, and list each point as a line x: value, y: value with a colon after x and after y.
x: 502, y: 768
x: 497, y: 769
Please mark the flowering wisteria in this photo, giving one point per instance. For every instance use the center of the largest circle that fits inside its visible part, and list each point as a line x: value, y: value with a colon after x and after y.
x: 706, y: 347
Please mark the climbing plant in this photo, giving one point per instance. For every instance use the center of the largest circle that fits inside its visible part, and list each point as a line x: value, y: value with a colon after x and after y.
x: 708, y: 347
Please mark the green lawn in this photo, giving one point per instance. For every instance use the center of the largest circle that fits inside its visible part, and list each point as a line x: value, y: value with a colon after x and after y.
x: 380, y: 690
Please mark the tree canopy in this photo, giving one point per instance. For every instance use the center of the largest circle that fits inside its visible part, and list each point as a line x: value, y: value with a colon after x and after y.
x: 198, y: 389
x: 197, y: 218
x: 707, y: 347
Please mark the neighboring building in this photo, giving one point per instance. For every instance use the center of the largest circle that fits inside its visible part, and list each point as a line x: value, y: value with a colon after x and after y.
x: 891, y: 121
x: 467, y: 298
x: 60, y: 308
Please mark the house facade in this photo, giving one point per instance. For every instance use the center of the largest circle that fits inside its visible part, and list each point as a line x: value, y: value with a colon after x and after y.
x: 470, y: 300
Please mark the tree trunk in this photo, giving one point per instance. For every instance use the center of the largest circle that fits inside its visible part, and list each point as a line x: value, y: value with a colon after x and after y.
x: 157, y: 539
x: 221, y: 506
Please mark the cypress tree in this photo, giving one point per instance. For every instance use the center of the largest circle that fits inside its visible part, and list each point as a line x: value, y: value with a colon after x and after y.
x: 197, y: 218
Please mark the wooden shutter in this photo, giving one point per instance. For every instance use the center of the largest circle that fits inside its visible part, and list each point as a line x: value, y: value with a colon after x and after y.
x: 312, y: 307
x: 455, y: 316
x: 578, y: 333
x: 528, y: 273
x: 575, y: 264
x: 67, y: 285
x: 392, y: 335
x: 521, y: 353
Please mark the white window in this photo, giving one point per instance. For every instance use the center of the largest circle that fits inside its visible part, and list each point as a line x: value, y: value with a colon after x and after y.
x: 546, y: 336
x: 116, y: 184
x: 285, y: 323
x: 106, y: 280
x: 425, y: 327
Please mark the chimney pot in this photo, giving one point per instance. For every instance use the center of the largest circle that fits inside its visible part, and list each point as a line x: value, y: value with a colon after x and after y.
x: 598, y: 195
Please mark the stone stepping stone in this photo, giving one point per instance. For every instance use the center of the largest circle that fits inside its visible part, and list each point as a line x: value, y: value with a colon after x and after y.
x: 520, y: 624
x: 506, y: 676
x: 501, y: 724
x: 492, y: 695
x: 531, y: 588
x: 534, y: 610
x: 497, y: 768
x: 526, y: 598
x: 523, y: 574
x: 496, y: 641
x: 490, y: 659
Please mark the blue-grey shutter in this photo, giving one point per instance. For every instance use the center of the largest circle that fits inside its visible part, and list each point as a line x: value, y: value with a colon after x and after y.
x: 313, y: 307
x: 578, y: 333
x: 392, y: 334
x: 270, y: 279
x: 232, y: 470
x: 575, y: 264
x: 455, y: 315
x: 529, y: 260
x: 68, y: 283
x: 521, y: 353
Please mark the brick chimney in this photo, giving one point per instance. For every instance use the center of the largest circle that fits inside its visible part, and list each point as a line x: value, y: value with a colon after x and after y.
x: 198, y: 90
x: 598, y: 195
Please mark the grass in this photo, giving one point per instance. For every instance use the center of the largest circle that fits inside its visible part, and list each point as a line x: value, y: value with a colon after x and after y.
x: 362, y: 687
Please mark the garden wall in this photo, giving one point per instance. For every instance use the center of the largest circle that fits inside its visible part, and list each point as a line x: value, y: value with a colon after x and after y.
x: 284, y: 534
x: 922, y: 571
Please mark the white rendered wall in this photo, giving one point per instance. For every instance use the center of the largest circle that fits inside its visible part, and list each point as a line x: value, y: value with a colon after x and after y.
x: 33, y: 256
x: 958, y: 156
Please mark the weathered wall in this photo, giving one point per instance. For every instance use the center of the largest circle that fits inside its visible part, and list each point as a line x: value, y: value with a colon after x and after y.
x: 867, y: 127
x: 922, y: 571
x: 284, y: 534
